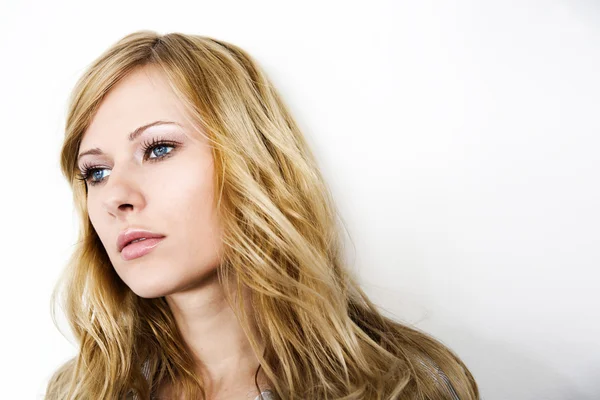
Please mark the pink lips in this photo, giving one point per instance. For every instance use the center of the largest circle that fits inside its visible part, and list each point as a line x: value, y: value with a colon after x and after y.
x: 146, y: 241
x: 139, y: 249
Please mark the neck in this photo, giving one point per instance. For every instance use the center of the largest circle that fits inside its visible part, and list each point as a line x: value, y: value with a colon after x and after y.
x: 220, y: 347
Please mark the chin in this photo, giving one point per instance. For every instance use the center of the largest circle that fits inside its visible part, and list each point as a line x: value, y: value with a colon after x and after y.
x: 150, y: 289
x: 148, y: 292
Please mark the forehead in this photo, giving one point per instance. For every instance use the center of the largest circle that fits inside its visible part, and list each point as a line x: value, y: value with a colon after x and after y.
x: 141, y: 97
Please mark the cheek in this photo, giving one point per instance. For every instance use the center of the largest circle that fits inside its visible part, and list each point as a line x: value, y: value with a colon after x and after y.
x: 190, y: 192
x: 191, y: 217
x: 99, y: 223
x: 191, y: 203
x: 93, y: 215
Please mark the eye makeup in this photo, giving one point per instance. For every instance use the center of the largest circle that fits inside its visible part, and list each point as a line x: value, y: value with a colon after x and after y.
x: 148, y: 148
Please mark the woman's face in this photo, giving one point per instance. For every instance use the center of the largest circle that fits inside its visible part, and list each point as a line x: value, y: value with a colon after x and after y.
x: 166, y: 189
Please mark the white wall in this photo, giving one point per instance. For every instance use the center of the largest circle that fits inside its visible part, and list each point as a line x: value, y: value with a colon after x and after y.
x: 461, y: 142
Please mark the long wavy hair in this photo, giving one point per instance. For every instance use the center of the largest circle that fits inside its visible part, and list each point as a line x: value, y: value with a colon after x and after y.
x: 323, y: 338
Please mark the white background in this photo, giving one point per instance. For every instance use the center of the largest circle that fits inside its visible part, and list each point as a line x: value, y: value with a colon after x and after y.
x: 460, y: 138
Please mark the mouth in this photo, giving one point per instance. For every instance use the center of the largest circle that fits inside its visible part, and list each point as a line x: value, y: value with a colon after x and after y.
x: 133, y: 237
x: 140, y: 247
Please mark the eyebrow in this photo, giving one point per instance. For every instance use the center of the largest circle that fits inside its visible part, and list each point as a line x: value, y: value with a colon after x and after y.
x: 132, y: 136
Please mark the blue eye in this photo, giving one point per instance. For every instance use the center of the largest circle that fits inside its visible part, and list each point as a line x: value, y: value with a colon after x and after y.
x: 96, y: 176
x: 88, y: 173
x: 162, y: 147
x: 93, y: 175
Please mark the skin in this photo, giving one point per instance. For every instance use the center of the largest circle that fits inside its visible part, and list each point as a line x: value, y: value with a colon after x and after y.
x: 173, y: 197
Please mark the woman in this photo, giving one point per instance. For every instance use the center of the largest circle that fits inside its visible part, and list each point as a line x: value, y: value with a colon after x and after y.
x: 210, y: 262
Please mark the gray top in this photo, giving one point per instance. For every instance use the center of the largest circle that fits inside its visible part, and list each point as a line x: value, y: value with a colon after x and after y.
x: 434, y: 371
x: 266, y: 395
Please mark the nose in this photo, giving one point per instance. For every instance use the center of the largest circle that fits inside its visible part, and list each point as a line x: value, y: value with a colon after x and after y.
x: 122, y: 194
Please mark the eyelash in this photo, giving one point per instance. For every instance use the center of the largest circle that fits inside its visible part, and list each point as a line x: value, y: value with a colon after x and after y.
x: 88, y: 170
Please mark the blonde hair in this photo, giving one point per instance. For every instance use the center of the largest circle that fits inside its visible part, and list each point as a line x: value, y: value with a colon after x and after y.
x: 324, y: 339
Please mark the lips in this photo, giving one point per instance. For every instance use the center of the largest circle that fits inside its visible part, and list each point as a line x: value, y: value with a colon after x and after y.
x: 126, y: 237
x: 139, y: 249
